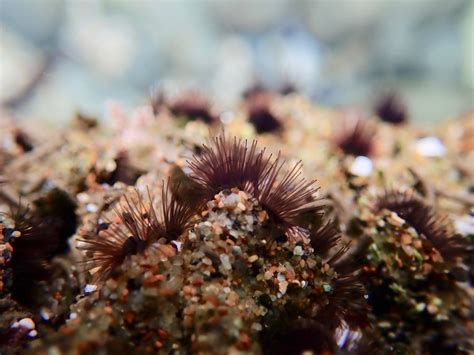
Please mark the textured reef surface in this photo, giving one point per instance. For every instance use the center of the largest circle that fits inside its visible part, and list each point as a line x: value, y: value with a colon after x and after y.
x: 281, y: 227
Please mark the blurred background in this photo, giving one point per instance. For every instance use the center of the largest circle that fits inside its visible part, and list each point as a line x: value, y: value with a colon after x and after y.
x: 58, y: 57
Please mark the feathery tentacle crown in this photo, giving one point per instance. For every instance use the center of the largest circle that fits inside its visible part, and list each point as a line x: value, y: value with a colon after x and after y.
x: 226, y: 164
x: 425, y: 220
x: 139, y: 225
x: 260, y: 115
x: 391, y: 108
x: 33, y: 242
x: 194, y: 106
x: 356, y: 137
x: 175, y: 215
x: 258, y: 102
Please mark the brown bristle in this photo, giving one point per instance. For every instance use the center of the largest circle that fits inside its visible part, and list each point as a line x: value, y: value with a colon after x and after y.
x: 325, y: 238
x: 391, y: 108
x: 339, y: 254
x: 426, y: 221
x: 176, y: 215
x: 356, y: 137
x: 142, y: 227
x: 347, y: 301
x: 111, y: 246
x: 288, y: 198
x: 398, y: 201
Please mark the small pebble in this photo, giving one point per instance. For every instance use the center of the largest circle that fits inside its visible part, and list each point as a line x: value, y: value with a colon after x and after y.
x: 342, y: 336
x: 45, y: 314
x: 177, y: 244
x: 268, y: 275
x: 91, y: 208
x: 311, y: 263
x: 298, y: 250
x: 225, y: 261
x: 158, y: 344
x: 430, y: 147
x: 27, y: 323
x: 227, y: 117
x: 327, y: 288
x: 73, y: 316
x: 90, y: 288
x: 432, y: 309
x: 420, y: 307
x: 282, y: 287
x: 237, y: 250
x: 110, y: 166
x: 253, y: 258
x: 464, y: 224
x: 82, y: 197
x: 231, y: 200
x: 281, y: 277
x: 362, y: 166
x: 395, y: 220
